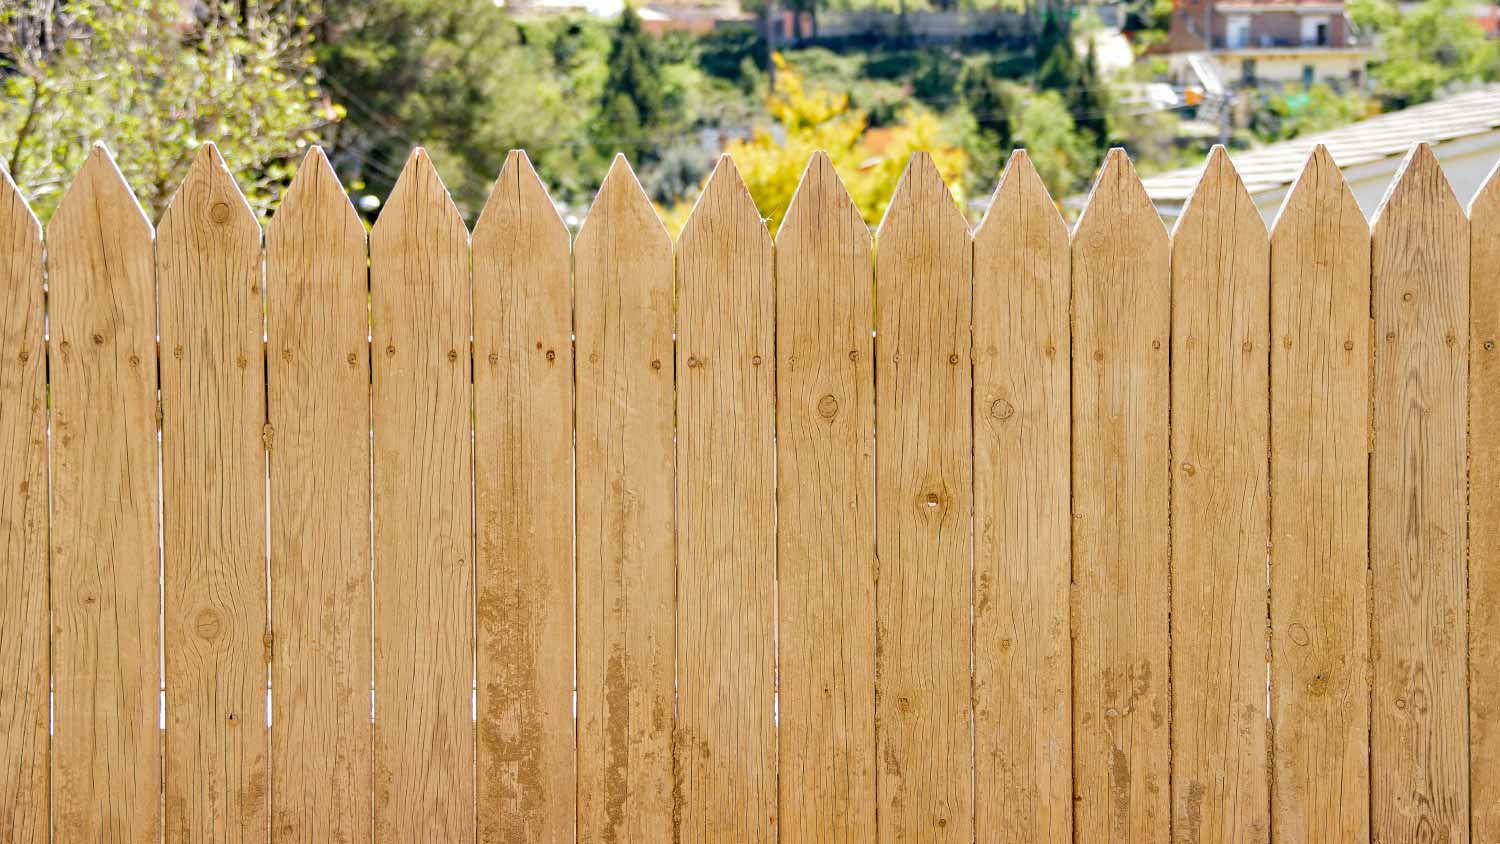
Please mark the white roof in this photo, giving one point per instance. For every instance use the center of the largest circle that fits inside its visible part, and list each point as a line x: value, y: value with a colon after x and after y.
x: 1277, y: 165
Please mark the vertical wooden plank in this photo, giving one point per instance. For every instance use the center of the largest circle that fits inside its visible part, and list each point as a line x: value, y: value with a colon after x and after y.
x: 105, y: 642
x: 925, y: 495
x: 424, y: 537
x: 1419, y: 750
x: 317, y: 319
x: 523, y: 423
x: 1023, y: 729
x: 23, y: 519
x: 1320, y: 423
x: 1220, y: 521
x: 1121, y: 325
x: 725, y: 746
x: 208, y: 271
x: 825, y: 419
x: 626, y: 573
x: 1484, y: 510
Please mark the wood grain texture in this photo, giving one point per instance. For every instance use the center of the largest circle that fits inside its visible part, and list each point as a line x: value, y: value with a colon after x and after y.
x: 23, y: 523
x: 1022, y: 560
x: 1320, y: 423
x: 1484, y: 510
x: 1419, y: 751
x: 318, y: 369
x: 725, y: 745
x: 523, y: 403
x: 625, y: 491
x: 1220, y: 513
x: 1220, y: 521
x: 925, y: 498
x: 106, y: 648
x: 213, y: 393
x: 424, y: 539
x: 1121, y: 327
x: 825, y: 419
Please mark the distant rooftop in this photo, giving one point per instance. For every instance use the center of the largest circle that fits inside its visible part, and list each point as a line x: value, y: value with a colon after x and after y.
x: 1390, y: 135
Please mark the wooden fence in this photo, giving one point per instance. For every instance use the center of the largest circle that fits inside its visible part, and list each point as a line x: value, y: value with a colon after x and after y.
x: 1098, y: 536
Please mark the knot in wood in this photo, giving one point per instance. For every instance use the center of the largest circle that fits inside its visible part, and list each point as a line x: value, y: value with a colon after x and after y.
x: 828, y: 407
x: 207, y: 624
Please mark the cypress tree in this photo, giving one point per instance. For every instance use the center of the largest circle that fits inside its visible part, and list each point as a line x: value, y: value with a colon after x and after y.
x: 631, y: 106
x: 1088, y: 100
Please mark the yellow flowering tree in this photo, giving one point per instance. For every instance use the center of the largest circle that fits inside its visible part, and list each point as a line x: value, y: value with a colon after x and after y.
x: 870, y: 161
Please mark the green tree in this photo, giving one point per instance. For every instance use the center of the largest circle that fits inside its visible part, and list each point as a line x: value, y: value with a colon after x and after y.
x: 1089, y: 102
x: 1062, y: 156
x: 460, y: 78
x: 1057, y: 67
x: 989, y: 100
x: 631, y: 108
x: 1295, y: 111
x: 154, y: 83
x: 1079, y: 82
x: 1425, y: 48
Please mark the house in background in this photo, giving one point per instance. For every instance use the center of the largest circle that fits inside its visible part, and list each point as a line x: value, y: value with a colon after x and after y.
x: 1250, y: 43
x: 1464, y: 131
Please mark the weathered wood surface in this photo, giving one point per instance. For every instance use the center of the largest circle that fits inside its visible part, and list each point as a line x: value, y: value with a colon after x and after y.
x: 625, y: 494
x: 213, y: 414
x: 1484, y: 510
x: 725, y: 745
x: 523, y: 487
x: 588, y: 544
x: 1320, y: 423
x: 24, y: 755
x: 826, y: 505
x: 318, y: 405
x: 1419, y: 750
x: 925, y: 497
x: 424, y: 539
x: 1022, y: 636
x: 105, y: 565
x: 1220, y: 441
x: 1121, y: 337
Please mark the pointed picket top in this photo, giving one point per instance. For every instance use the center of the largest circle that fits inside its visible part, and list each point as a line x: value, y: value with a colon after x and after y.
x: 1320, y: 189
x: 920, y: 184
x: 20, y: 250
x: 620, y: 198
x: 209, y: 196
x: 1419, y: 184
x: 15, y: 213
x: 820, y: 194
x: 1219, y: 190
x: 725, y: 203
x: 315, y: 197
x: 1116, y: 194
x: 99, y: 185
x: 518, y: 192
x: 419, y: 192
x: 1020, y: 191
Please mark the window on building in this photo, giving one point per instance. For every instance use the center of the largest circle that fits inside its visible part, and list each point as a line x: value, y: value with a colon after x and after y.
x: 1237, y: 31
x: 1314, y: 31
x: 1307, y: 76
x: 1247, y: 71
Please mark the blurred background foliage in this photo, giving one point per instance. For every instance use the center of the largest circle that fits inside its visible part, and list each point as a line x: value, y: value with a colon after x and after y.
x: 471, y: 79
